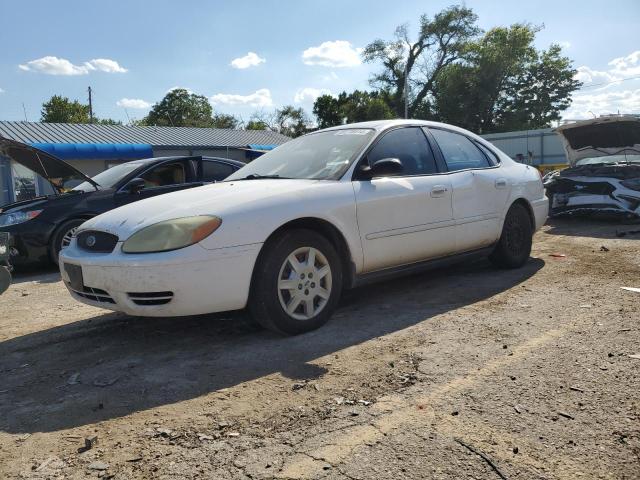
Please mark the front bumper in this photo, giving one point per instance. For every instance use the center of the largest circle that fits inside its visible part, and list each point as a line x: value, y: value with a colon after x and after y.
x: 29, y: 242
x: 189, y: 281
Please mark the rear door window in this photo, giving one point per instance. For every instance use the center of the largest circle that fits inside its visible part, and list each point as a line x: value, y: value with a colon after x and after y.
x: 213, y: 171
x: 458, y: 151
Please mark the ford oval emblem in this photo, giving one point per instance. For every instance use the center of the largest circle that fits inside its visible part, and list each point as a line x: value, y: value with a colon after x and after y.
x: 91, y: 241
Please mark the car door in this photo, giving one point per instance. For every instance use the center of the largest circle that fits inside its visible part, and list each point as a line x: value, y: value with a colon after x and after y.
x: 408, y: 217
x: 479, y: 189
x: 165, y: 177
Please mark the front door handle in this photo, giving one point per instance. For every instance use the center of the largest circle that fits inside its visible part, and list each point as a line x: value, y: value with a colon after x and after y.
x: 438, y: 191
x: 501, y: 183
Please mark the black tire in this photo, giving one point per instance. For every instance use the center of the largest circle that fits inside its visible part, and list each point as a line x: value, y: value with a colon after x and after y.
x: 514, y: 247
x: 267, y: 299
x: 59, y: 234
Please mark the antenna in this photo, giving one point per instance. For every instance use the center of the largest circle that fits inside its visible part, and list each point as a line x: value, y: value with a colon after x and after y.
x: 24, y: 110
x: 127, y: 114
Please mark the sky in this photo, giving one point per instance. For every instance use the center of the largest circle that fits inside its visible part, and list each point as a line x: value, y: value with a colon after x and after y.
x: 247, y: 56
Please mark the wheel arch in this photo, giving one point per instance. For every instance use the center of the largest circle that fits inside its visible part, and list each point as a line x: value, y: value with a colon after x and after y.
x: 525, y: 203
x: 327, y: 230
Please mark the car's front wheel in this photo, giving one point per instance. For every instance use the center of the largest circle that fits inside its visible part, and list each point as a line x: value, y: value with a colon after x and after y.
x: 62, y: 237
x: 297, y: 283
x: 514, y: 247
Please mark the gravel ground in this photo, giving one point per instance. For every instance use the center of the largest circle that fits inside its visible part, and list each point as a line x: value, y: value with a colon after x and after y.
x: 466, y: 372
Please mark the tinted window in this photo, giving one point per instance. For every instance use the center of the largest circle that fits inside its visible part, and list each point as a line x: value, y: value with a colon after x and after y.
x: 166, y: 174
x: 459, y: 152
x: 215, y: 171
x: 410, y: 146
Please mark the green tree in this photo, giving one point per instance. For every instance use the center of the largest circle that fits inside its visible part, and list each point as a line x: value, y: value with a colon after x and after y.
x: 254, y: 124
x: 357, y: 106
x: 222, y: 120
x: 179, y: 108
x: 106, y: 121
x: 60, y: 109
x: 327, y: 110
x: 505, y: 83
x: 441, y: 41
x: 291, y: 121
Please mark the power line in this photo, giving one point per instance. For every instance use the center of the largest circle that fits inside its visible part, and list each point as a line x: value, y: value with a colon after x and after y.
x: 609, y: 83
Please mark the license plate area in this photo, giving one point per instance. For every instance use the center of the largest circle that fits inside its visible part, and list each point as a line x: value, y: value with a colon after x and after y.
x: 75, y: 276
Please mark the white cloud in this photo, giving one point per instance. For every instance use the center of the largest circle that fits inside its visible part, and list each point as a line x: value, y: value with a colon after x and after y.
x: 338, y: 53
x: 309, y: 94
x: 133, y: 103
x: 54, y: 66
x: 621, y: 68
x: 251, y: 59
x: 586, y: 105
x: 565, y: 44
x: 51, y: 65
x: 1, y: 90
x: 260, y: 98
x: 105, y: 65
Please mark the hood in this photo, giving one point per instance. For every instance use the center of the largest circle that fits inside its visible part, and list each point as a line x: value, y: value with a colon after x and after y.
x: 220, y: 199
x: 601, y: 137
x: 59, y: 174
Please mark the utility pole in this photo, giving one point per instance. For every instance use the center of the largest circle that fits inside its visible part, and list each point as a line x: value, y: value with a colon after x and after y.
x: 90, y: 106
x: 406, y: 90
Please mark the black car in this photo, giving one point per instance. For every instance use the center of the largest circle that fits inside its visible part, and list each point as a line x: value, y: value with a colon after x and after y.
x: 41, y: 226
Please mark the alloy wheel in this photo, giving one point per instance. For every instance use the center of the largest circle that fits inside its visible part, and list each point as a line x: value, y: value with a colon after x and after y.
x: 66, y: 239
x: 304, y: 283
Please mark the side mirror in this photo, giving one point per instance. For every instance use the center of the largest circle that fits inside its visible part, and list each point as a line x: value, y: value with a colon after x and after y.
x: 135, y: 185
x: 383, y: 168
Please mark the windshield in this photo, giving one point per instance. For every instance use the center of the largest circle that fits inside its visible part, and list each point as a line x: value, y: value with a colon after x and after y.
x: 110, y: 177
x: 320, y: 156
x: 609, y: 160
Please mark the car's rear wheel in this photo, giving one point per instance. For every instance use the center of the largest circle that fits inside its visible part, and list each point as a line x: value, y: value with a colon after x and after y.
x: 297, y: 283
x: 62, y: 237
x: 514, y: 247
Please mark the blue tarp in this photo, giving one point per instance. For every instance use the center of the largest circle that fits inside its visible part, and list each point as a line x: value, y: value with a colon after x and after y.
x: 255, y: 146
x: 106, y: 151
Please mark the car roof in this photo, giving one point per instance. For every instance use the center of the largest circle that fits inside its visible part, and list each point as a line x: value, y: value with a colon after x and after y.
x: 381, y: 125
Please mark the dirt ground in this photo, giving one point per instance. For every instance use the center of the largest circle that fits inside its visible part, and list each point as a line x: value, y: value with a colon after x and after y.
x: 466, y: 372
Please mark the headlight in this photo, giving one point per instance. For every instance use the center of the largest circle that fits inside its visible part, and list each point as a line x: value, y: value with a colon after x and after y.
x: 171, y: 234
x: 7, y: 219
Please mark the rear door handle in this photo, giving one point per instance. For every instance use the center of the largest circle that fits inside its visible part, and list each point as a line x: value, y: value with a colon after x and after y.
x: 438, y: 191
x: 501, y: 183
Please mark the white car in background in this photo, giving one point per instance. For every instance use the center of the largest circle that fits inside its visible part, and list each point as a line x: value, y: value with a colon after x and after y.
x: 287, y: 233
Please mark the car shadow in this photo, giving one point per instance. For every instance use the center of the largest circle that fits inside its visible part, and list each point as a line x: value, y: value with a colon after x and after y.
x: 588, y: 227
x: 112, y: 365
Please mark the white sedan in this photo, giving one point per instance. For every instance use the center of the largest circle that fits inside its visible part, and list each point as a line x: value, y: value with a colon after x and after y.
x: 287, y: 233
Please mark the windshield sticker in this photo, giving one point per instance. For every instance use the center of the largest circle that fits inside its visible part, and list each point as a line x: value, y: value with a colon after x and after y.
x: 352, y: 131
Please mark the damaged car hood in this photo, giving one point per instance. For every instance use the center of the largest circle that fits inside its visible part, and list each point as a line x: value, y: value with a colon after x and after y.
x: 62, y: 176
x: 616, y: 135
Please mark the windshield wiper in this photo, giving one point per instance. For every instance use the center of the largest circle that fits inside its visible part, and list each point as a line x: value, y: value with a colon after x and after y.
x: 257, y: 176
